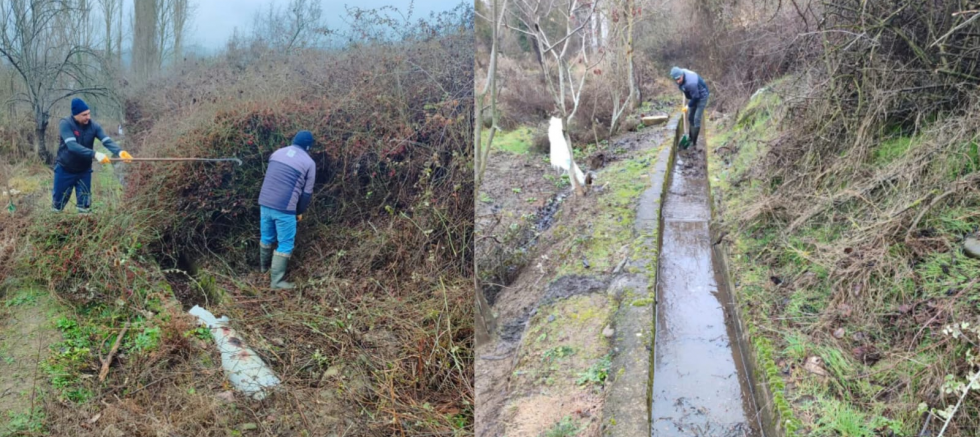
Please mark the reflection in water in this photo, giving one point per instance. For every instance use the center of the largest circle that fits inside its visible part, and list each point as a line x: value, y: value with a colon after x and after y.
x: 699, y: 384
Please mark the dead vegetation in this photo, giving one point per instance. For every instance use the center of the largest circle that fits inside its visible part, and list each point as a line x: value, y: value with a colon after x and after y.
x: 855, y: 211
x: 379, y: 339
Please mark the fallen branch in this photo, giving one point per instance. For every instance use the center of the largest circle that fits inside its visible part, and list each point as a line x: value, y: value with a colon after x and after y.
x: 115, y: 348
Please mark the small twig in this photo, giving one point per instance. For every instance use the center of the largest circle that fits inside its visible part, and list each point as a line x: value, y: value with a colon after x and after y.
x: 37, y: 363
x: 966, y: 391
x: 115, y: 348
x: 302, y: 415
x: 925, y: 426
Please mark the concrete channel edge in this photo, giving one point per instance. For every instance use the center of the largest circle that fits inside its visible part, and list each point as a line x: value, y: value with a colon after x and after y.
x: 627, y: 409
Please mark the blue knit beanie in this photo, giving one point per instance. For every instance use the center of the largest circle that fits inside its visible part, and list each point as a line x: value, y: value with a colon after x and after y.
x: 303, y: 139
x: 676, y: 73
x: 78, y: 106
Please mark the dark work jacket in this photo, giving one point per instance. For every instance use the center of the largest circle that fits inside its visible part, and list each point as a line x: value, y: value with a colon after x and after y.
x: 77, y: 147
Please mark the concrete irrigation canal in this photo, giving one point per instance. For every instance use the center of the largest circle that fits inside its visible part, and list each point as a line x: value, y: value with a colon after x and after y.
x: 700, y: 382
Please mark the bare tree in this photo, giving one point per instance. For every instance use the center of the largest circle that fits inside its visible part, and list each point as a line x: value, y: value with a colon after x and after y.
x: 119, y: 37
x: 297, y: 26
x: 33, y: 41
x: 623, y: 14
x: 485, y: 320
x: 553, y: 25
x: 180, y: 12
x: 146, y: 57
x: 109, y: 12
x: 164, y: 32
x: 490, y: 89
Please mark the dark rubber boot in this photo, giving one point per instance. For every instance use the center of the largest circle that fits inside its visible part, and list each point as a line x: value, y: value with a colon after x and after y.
x: 694, y: 136
x: 279, y: 262
x: 265, y: 257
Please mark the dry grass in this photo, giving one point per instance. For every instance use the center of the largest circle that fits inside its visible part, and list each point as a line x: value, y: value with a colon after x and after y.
x: 378, y: 341
x: 862, y: 247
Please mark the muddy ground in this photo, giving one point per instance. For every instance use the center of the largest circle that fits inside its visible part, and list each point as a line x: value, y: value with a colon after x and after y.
x: 27, y: 327
x: 554, y: 318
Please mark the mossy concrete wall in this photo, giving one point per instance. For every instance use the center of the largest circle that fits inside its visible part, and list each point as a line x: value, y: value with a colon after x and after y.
x: 627, y: 409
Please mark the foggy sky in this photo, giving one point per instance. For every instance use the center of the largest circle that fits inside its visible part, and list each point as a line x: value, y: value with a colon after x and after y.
x: 214, y: 21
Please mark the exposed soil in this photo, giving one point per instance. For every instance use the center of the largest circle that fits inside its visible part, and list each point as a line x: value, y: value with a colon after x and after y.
x: 544, y: 392
x: 26, y: 321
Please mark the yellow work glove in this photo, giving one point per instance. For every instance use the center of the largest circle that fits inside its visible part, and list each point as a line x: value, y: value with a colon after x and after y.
x: 299, y: 218
x: 102, y: 158
x: 684, y: 109
x: 127, y: 158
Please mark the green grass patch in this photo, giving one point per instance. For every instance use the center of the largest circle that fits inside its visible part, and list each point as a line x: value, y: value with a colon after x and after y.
x: 566, y: 427
x: 607, y: 232
x: 517, y: 141
x: 557, y: 353
x: 944, y: 274
x: 759, y: 110
x: 23, y: 298
x: 94, y: 326
x: 24, y: 423
x: 839, y: 419
x: 597, y: 372
x: 892, y: 149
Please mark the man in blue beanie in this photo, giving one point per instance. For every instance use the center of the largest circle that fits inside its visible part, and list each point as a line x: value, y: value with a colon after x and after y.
x: 75, y: 155
x: 286, y: 193
x: 696, y: 92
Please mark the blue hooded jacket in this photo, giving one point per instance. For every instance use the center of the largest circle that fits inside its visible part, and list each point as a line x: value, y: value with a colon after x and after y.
x: 693, y: 87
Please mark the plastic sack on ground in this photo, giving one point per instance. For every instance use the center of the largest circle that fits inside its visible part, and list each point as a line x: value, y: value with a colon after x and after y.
x: 559, y: 152
x: 243, y: 367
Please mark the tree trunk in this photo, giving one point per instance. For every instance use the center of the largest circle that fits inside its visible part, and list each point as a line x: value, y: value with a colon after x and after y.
x: 119, y: 32
x: 180, y: 13
x: 40, y: 129
x: 634, y: 89
x: 13, y: 104
x: 598, y: 31
x: 579, y: 188
x: 145, y: 46
x: 485, y: 320
x: 163, y: 28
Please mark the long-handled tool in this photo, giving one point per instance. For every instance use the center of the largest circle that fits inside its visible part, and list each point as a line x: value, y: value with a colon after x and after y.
x: 686, y: 139
x: 235, y: 160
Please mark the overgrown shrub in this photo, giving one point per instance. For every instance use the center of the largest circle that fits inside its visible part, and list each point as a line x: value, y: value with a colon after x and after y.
x: 387, y: 240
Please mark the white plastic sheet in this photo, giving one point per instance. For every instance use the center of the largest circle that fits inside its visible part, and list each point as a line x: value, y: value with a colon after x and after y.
x: 559, y: 151
x: 243, y: 367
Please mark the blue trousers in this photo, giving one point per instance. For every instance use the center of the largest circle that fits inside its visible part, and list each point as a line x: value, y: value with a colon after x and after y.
x: 278, y: 226
x: 65, y: 182
x: 694, y: 114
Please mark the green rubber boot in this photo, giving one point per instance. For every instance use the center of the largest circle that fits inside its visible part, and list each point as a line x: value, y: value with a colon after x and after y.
x: 265, y: 257
x: 694, y: 136
x: 279, y: 261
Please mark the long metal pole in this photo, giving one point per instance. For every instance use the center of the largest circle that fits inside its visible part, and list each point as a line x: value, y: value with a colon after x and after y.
x: 235, y: 160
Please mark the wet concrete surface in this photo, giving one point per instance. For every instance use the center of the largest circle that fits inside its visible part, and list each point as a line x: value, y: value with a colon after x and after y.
x: 627, y: 409
x: 699, y: 383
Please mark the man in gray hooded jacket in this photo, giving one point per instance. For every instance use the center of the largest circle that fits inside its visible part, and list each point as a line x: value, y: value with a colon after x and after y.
x: 696, y: 92
x: 286, y: 193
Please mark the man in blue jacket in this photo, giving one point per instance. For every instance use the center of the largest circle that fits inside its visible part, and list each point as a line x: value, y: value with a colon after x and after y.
x: 696, y: 92
x: 75, y: 154
x: 286, y: 193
